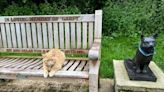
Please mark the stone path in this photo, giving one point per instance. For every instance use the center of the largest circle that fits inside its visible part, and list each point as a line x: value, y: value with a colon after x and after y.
x: 106, y: 85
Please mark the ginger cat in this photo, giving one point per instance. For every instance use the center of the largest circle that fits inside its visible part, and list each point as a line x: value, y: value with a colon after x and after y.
x: 52, y: 62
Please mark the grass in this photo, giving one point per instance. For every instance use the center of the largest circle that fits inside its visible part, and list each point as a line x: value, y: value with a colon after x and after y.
x: 124, y: 48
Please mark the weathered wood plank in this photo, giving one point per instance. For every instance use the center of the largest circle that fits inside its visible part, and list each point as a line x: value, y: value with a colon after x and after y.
x: 3, y: 32
x: 19, y: 63
x: 29, y: 64
x: 98, y: 24
x: 61, y: 74
x: 15, y: 61
x: 24, y: 41
x: 8, y: 61
x: 1, y: 39
x: 50, y: 35
x: 86, y: 68
x: 61, y: 35
x: 13, y: 35
x: 47, y: 18
x: 93, y: 75
x: 45, y: 40
x: 34, y: 35
x: 85, y: 35
x: 29, y: 36
x: 39, y: 35
x: 74, y: 66
x: 90, y: 34
x: 78, y: 33
x: 25, y: 63
x: 4, y: 60
x: 67, y: 35
x: 9, y: 42
x: 73, y: 39
x: 18, y: 35
x: 34, y: 65
x: 56, y: 35
x: 81, y: 66
x: 66, y: 67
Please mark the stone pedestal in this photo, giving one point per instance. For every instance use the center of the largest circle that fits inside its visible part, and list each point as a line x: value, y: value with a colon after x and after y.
x: 124, y: 84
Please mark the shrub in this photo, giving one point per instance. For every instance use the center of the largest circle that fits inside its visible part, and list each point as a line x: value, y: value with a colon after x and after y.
x: 130, y: 17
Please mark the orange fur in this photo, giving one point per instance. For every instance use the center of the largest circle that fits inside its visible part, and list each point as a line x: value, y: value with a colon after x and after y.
x: 52, y: 62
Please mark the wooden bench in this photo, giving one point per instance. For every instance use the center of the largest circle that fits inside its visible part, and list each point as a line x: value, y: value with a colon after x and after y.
x: 37, y: 34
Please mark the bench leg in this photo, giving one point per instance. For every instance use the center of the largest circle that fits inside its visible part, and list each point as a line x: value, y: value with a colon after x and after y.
x: 94, y: 76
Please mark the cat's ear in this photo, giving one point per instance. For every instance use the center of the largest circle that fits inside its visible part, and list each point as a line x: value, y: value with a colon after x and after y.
x: 142, y: 36
x: 155, y: 35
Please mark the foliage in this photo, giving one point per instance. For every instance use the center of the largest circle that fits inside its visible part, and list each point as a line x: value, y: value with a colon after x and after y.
x: 132, y: 17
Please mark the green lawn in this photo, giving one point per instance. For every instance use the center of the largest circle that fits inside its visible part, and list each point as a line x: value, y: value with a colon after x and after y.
x: 123, y: 48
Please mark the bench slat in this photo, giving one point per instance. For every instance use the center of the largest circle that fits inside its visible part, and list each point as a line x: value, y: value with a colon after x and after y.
x: 78, y: 33
x: 23, y: 31
x: 30, y: 64
x: 28, y: 33
x: 47, y: 18
x: 86, y: 68
x: 61, y: 35
x: 84, y: 35
x: 74, y: 66
x: 67, y: 35
x: 13, y: 62
x: 73, y: 39
x: 44, y: 31
x: 1, y: 39
x: 25, y: 63
x: 66, y: 67
x: 50, y: 35
x: 34, y: 65
x: 65, y: 74
x: 18, y: 35
x: 8, y: 32
x: 34, y: 36
x: 3, y: 32
x: 81, y: 65
x: 8, y: 62
x: 39, y: 35
x: 91, y: 34
x: 13, y: 36
x: 19, y: 63
x: 56, y: 35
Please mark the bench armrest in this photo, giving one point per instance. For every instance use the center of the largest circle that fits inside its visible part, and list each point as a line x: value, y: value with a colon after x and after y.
x: 95, y: 51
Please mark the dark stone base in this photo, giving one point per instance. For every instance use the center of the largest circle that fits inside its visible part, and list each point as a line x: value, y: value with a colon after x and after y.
x: 149, y: 76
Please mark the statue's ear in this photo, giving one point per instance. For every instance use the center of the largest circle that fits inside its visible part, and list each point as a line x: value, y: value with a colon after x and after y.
x: 155, y: 35
x: 142, y: 36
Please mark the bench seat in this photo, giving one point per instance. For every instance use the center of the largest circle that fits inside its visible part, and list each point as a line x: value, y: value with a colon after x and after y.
x: 24, y: 67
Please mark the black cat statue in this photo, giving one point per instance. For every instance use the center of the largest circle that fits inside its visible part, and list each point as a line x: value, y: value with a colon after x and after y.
x: 138, y: 67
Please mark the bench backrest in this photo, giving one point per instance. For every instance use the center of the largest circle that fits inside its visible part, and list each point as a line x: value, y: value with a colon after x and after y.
x: 40, y: 32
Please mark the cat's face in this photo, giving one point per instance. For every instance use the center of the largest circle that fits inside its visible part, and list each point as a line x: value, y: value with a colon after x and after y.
x: 49, y: 60
x: 148, y: 42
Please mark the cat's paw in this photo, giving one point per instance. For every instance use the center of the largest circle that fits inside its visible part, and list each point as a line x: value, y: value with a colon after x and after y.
x: 52, y: 73
x: 45, y: 75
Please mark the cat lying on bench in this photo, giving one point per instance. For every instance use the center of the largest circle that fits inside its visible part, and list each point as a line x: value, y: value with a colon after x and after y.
x: 52, y: 62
